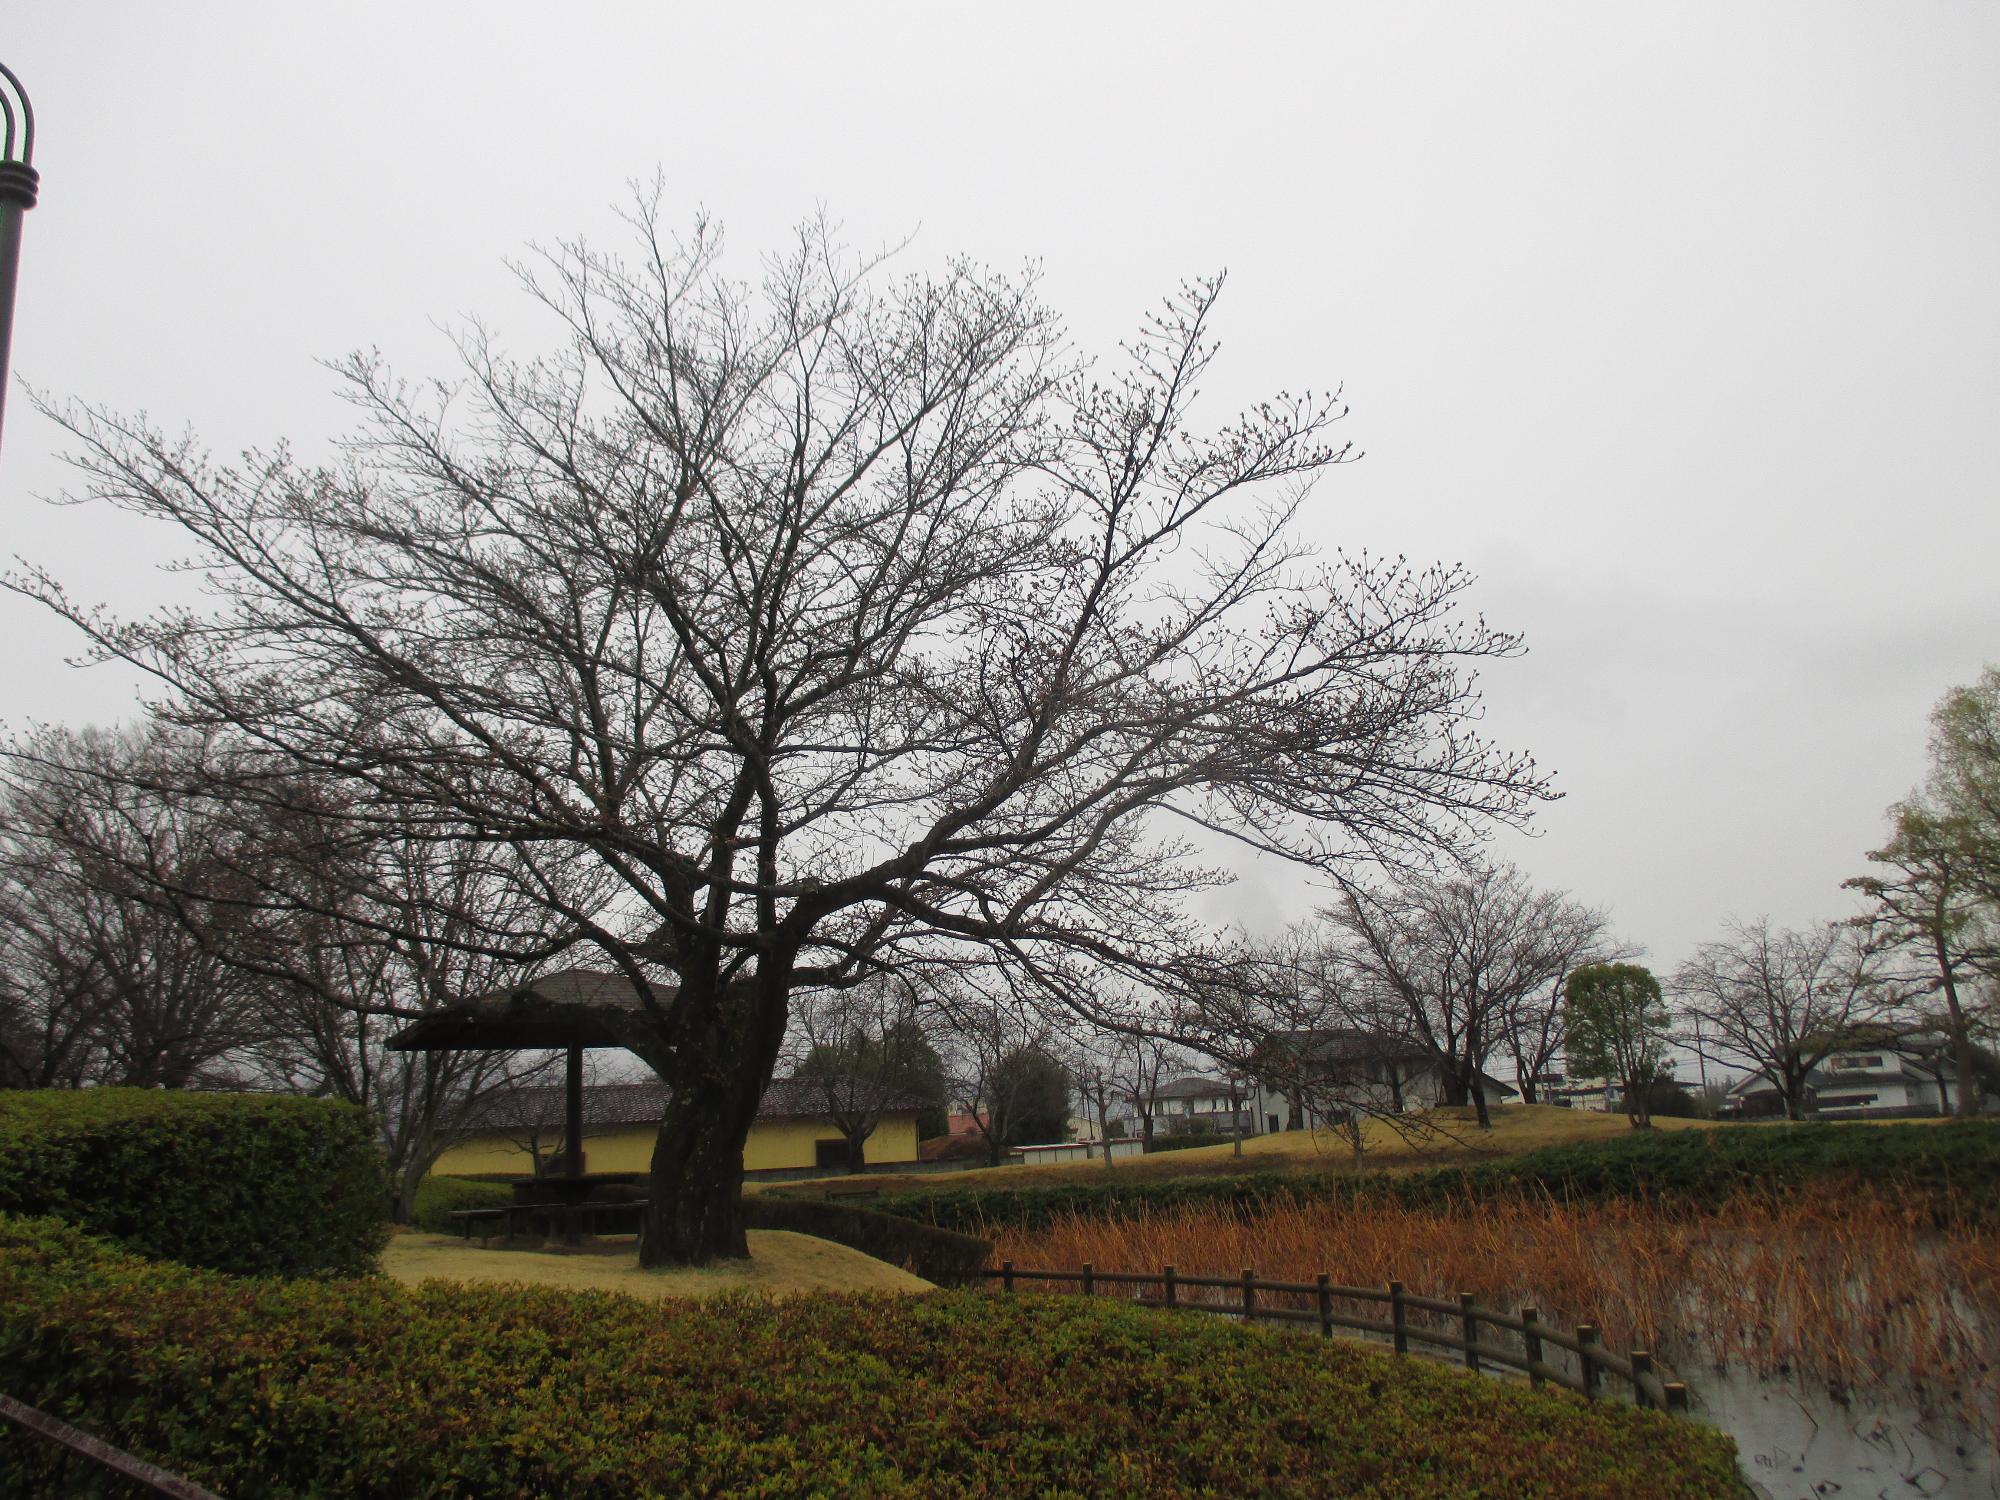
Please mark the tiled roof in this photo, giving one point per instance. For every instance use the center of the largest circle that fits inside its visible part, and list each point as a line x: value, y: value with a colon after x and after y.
x: 614, y: 1104
x: 1198, y: 1088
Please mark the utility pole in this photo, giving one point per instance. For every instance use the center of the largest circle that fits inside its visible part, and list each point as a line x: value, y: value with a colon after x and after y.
x: 18, y: 186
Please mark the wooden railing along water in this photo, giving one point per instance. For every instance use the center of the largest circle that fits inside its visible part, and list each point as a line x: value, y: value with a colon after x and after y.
x: 1454, y: 1325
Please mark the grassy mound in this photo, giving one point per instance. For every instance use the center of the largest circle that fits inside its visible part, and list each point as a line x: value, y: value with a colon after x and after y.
x: 366, y: 1388
x: 1437, y: 1137
x: 780, y: 1263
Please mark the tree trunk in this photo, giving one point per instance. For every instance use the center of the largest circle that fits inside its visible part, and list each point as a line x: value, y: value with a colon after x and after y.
x: 1478, y: 1093
x: 695, y: 1188
x: 1525, y: 1076
x: 695, y: 1213
x: 1964, y: 1056
x: 1638, y: 1108
x: 1794, y: 1093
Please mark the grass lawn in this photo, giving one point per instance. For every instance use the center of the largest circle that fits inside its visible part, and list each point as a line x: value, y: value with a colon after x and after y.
x: 780, y: 1262
x: 1453, y: 1135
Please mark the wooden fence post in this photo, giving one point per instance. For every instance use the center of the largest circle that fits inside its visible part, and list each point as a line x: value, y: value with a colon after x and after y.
x: 1089, y: 1280
x: 1396, y: 1316
x: 1468, y: 1322
x: 1007, y: 1275
x: 1170, y: 1291
x: 1325, y: 1306
x: 135, y: 1471
x: 1531, y: 1340
x: 1249, y: 1295
x: 1587, y: 1336
x: 1677, y: 1395
x: 1642, y: 1366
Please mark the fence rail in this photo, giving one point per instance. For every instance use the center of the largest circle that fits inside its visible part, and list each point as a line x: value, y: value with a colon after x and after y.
x: 54, y: 1430
x: 1249, y: 1297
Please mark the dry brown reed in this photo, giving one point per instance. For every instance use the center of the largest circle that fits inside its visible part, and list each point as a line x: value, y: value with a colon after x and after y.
x: 1836, y: 1283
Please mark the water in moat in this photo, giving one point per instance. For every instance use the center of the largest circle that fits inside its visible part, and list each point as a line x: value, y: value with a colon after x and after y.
x: 1797, y: 1442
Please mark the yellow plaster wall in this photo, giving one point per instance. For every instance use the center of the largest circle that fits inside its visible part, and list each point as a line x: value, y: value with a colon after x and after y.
x: 773, y: 1144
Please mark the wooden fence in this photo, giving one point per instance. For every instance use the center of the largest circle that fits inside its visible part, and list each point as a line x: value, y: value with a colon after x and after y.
x: 1454, y: 1325
x: 39, y: 1424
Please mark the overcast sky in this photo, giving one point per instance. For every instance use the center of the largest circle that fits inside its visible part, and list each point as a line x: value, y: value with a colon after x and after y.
x: 1679, y: 325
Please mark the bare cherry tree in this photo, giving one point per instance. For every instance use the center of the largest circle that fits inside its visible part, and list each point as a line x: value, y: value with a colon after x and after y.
x: 1459, y: 955
x: 115, y: 980
x: 836, y: 619
x: 390, y: 930
x: 1328, y: 1042
x: 1139, y: 1063
x: 1780, y: 1002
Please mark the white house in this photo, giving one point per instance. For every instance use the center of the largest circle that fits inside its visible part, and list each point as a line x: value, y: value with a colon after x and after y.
x: 1204, y: 1106
x: 1909, y: 1078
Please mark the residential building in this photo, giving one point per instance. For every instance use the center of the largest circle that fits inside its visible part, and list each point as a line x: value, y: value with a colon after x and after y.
x: 1904, y: 1078
x: 1197, y: 1105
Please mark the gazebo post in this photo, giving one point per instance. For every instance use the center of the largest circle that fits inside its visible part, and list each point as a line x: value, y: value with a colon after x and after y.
x: 573, y: 1113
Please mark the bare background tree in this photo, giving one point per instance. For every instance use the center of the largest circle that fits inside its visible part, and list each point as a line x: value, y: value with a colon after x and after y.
x: 121, y: 907
x: 835, y: 620
x: 161, y: 935
x: 1461, y: 955
x: 868, y: 1049
x: 1779, y: 1002
x: 1139, y: 1063
x: 986, y: 1027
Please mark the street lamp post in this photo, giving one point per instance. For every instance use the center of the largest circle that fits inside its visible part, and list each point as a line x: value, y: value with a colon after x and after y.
x: 18, y: 182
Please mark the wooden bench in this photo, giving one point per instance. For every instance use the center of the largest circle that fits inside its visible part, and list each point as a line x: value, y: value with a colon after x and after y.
x: 566, y: 1213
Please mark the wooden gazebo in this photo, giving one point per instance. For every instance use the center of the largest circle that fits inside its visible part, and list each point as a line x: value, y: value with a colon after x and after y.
x: 566, y: 1011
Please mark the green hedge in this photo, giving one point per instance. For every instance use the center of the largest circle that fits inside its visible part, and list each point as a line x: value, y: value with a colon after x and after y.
x: 255, y: 1184
x: 269, y: 1388
x: 1950, y: 1172
x: 937, y: 1255
x: 438, y: 1197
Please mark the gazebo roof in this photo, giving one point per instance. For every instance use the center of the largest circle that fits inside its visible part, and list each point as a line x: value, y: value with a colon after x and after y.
x: 569, y: 1008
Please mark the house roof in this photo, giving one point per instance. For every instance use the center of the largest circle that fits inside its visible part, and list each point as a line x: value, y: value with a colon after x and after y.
x: 1198, y: 1088
x: 614, y: 1104
x: 569, y: 1008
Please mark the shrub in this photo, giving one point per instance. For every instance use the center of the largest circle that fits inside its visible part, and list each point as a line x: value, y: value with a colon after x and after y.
x: 937, y: 1255
x: 264, y: 1388
x: 1184, y: 1141
x: 248, y: 1183
x: 1950, y: 1172
x: 438, y: 1197
x: 978, y: 1210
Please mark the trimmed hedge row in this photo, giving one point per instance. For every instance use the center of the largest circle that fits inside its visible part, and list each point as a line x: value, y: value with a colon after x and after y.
x: 269, y: 1388
x: 255, y: 1184
x: 439, y: 1197
x: 1950, y: 1171
x: 937, y: 1255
